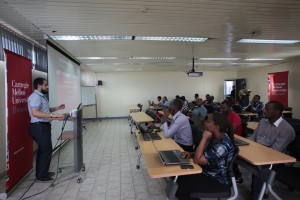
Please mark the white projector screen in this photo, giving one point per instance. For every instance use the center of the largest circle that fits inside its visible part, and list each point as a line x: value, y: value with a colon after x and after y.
x: 64, y: 86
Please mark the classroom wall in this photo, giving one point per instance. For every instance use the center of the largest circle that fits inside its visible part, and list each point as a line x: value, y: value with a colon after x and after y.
x: 2, y: 118
x: 257, y: 80
x: 123, y: 89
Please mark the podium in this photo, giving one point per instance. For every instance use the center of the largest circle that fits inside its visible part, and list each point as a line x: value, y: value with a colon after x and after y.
x: 76, y: 135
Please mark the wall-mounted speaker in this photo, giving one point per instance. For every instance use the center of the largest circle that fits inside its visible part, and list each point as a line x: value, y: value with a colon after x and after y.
x: 99, y: 82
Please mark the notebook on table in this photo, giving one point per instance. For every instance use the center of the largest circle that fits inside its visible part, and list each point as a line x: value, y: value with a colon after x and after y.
x: 239, y: 142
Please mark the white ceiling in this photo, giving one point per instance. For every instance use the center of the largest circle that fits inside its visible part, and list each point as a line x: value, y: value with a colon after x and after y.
x: 223, y: 22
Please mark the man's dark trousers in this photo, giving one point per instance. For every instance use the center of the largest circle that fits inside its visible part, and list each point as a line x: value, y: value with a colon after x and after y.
x: 41, y: 134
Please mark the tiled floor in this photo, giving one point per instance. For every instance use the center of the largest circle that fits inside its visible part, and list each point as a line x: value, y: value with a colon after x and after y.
x: 111, y: 174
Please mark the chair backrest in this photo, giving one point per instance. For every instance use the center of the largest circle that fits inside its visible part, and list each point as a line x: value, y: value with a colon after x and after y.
x: 197, y: 136
x: 237, y: 108
x: 288, y: 108
x: 209, y: 108
x: 234, y: 189
x: 230, y: 167
x: 244, y: 127
x: 140, y: 106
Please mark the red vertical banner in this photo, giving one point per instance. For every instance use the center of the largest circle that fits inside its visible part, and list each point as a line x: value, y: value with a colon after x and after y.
x: 278, y: 87
x: 19, y: 143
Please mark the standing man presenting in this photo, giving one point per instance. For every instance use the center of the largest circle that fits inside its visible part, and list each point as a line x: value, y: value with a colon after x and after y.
x: 40, y: 127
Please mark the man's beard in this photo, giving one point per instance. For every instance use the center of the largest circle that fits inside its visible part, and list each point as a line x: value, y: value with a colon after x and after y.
x: 44, y: 91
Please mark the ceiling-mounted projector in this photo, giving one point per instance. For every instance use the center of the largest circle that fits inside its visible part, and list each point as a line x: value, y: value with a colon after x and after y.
x: 193, y: 73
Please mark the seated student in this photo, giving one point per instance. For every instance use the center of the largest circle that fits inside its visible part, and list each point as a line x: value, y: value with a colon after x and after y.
x: 236, y: 128
x: 199, y: 110
x: 274, y: 132
x: 159, y: 102
x: 179, y: 128
x: 196, y: 96
x: 207, y: 97
x: 198, y: 115
x: 234, y: 119
x: 185, y: 105
x: 256, y: 106
x: 213, y: 154
x: 165, y: 102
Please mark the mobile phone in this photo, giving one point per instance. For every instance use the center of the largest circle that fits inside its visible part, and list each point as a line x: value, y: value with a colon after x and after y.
x: 186, y: 166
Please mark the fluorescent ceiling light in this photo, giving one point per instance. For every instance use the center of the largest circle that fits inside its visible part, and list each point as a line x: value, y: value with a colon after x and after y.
x: 73, y: 37
x: 218, y: 58
x: 131, y: 63
x: 263, y: 59
x: 247, y: 63
x: 259, y: 41
x: 152, y: 58
x: 86, y: 37
x: 128, y: 69
x: 211, y: 64
x: 98, y: 58
x: 149, y: 63
x: 173, y: 39
x: 130, y: 58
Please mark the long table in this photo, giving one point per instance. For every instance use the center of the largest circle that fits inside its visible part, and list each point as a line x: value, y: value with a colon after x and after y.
x: 139, y: 117
x: 252, y: 125
x: 254, y: 155
x: 154, y: 165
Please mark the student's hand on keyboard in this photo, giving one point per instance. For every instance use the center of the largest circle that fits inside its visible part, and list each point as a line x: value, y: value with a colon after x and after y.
x: 151, y: 125
x: 186, y: 155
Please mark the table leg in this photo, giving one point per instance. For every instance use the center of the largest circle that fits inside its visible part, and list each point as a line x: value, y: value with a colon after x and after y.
x: 171, y: 188
x: 255, y: 170
x: 138, y: 160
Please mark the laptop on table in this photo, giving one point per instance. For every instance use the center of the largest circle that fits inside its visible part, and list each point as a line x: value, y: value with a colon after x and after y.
x: 147, y: 133
x: 171, y: 157
x: 239, y: 142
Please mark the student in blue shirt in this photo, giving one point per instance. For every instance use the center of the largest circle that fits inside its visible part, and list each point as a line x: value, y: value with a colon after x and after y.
x: 165, y: 102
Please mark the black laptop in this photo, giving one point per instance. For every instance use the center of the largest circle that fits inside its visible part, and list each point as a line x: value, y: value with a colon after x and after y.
x: 239, y: 142
x: 171, y: 157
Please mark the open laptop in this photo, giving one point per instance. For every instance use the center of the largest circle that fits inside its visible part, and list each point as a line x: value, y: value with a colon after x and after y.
x: 171, y: 157
x: 239, y: 142
x: 147, y: 133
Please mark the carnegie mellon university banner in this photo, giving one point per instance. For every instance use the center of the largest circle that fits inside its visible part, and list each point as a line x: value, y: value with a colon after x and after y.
x: 278, y: 87
x: 19, y: 143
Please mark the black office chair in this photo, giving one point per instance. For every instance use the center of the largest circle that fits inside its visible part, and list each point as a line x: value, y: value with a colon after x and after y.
x: 140, y: 106
x: 244, y: 127
x: 209, y: 108
x: 290, y: 175
x: 288, y: 115
x: 230, y: 193
x: 197, y: 136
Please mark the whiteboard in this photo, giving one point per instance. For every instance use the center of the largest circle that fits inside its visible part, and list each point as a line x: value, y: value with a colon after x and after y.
x: 88, y: 95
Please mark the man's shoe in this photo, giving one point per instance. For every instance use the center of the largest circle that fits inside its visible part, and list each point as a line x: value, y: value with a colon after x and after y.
x: 239, y: 180
x: 45, y: 180
x: 51, y: 173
